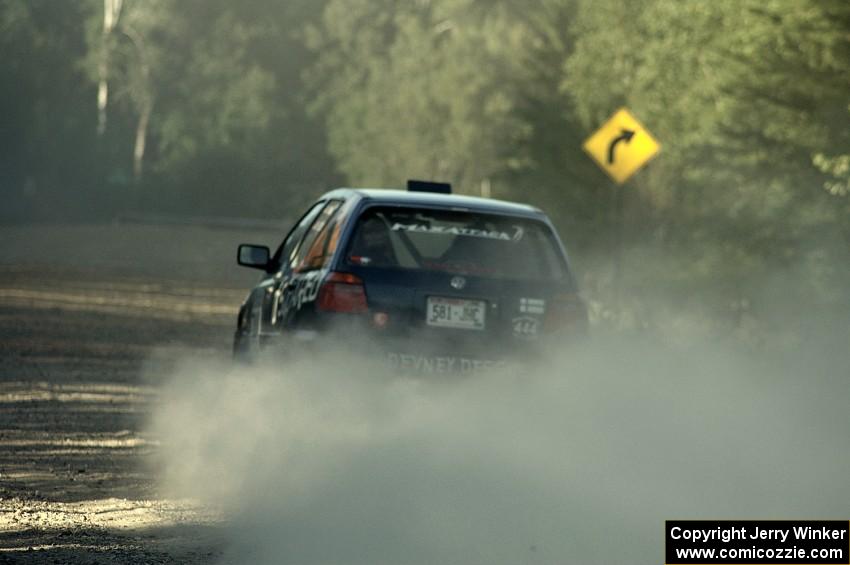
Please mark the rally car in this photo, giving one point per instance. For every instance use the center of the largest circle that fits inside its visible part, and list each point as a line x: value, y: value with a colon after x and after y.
x: 433, y: 282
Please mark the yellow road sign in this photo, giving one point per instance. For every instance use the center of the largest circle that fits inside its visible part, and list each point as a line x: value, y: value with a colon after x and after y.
x: 621, y: 146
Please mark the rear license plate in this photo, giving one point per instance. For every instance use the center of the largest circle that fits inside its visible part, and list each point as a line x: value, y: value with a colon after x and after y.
x: 455, y: 313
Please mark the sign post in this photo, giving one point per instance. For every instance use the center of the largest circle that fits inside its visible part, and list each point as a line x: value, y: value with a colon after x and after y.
x: 620, y: 147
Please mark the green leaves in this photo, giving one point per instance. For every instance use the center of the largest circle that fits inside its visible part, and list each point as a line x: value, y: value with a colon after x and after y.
x: 429, y: 90
x: 252, y: 108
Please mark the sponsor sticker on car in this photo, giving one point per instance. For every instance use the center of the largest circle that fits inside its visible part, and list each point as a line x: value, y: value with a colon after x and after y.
x: 427, y: 364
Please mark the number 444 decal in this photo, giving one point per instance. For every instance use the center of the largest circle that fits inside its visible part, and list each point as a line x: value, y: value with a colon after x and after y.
x: 525, y: 327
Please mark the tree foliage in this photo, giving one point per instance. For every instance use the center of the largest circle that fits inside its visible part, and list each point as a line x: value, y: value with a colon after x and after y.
x: 254, y: 108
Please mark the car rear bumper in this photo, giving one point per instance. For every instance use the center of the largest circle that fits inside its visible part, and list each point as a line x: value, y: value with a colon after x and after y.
x: 422, y: 364
x: 404, y: 355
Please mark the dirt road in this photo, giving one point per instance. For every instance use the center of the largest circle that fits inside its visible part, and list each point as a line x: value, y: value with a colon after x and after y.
x: 85, y: 335
x: 617, y: 436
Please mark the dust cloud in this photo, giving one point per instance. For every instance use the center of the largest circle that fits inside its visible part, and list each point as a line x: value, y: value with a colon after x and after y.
x: 578, y: 459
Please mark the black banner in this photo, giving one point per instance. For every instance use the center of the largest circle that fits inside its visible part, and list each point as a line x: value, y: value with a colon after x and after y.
x: 813, y: 542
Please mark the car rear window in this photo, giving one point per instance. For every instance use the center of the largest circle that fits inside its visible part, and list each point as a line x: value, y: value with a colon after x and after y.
x: 456, y: 241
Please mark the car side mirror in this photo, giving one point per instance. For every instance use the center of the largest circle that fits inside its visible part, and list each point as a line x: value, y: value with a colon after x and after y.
x: 253, y: 256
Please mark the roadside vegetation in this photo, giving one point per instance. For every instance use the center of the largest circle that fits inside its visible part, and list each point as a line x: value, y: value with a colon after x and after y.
x: 740, y: 227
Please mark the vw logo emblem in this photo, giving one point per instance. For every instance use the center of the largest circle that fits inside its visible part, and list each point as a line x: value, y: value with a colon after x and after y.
x: 458, y: 282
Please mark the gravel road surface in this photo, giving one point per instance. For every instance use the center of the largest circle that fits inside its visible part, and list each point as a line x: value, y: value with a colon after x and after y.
x: 91, y: 317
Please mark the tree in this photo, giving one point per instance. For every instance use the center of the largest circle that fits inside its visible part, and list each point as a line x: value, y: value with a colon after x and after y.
x: 209, y: 99
x: 48, y: 116
x: 744, y: 97
x: 111, y: 13
x: 421, y: 90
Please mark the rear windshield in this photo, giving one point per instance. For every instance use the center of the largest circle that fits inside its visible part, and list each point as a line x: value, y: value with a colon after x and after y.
x: 457, y: 242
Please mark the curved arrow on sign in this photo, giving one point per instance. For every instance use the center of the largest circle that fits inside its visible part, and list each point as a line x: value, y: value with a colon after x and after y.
x: 625, y: 135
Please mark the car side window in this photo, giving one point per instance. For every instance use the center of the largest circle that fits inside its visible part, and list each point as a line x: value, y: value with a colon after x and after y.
x: 316, y: 249
x: 290, y: 243
x: 335, y: 230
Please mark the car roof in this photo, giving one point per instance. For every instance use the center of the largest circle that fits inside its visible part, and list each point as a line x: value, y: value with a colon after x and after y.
x: 430, y: 199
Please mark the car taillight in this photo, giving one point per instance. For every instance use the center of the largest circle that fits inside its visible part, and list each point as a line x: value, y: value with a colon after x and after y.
x: 566, y: 312
x: 342, y: 292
